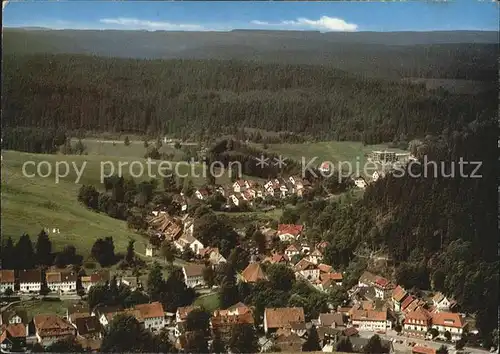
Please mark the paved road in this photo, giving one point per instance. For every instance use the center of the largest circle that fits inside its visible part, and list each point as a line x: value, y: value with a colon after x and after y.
x: 390, y: 335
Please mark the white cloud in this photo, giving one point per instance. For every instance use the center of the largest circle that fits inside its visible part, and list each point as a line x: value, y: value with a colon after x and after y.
x: 134, y: 23
x: 324, y: 24
x: 4, y: 3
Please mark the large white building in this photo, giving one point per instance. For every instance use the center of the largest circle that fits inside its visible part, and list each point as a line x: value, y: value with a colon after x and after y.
x: 193, y: 275
x: 448, y: 322
x: 369, y: 320
x: 61, y: 281
x: 152, y: 315
x: 30, y: 280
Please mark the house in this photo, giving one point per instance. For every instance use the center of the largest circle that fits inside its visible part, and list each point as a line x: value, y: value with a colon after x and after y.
x: 152, y: 315
x: 325, y: 268
x: 7, y: 280
x: 370, y: 320
x: 398, y: 295
x: 106, y: 313
x: 448, y: 322
x: 307, y: 270
x: 52, y: 328
x: 74, y: 311
x: 61, y: 281
x: 288, y: 341
x: 236, y: 199
x: 441, y: 302
x: 336, y: 278
x: 406, y: 302
x: 360, y: 182
x: 414, y: 305
x: 315, y: 257
x: 98, y: 277
x: 277, y: 258
x: 417, y: 323
x: 289, y: 232
x: 212, y: 255
x: 224, y: 320
x: 382, y: 287
x: 30, y: 281
x: 151, y: 250
x: 131, y: 282
x: 193, y: 275
x: 13, y: 337
x: 359, y: 343
x: 291, y: 251
x: 88, y: 327
x: 333, y: 320
x: 325, y: 167
x: 181, y: 317
x: 188, y: 240
x: 253, y: 273
x: 283, y: 317
x: 201, y: 194
x: 14, y: 317
x: 418, y: 349
x: 240, y: 186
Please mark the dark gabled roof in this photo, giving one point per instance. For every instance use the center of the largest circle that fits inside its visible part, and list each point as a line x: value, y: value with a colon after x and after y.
x: 30, y: 276
x: 88, y: 325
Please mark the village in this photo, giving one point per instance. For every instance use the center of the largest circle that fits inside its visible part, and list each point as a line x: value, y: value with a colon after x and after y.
x: 404, y: 321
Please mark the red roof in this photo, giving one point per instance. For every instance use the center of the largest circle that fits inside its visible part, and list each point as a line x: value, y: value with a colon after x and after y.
x: 447, y: 319
x: 291, y: 229
x: 417, y: 349
x: 407, y: 302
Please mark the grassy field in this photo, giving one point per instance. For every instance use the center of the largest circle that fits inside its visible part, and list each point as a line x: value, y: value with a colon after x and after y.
x: 30, y: 204
x: 39, y: 307
x: 334, y: 151
x: 136, y: 148
x: 209, y: 302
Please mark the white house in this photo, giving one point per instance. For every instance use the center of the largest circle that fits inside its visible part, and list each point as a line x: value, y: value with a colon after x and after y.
x: 291, y: 251
x: 201, y: 194
x: 360, y: 182
x: 448, y: 322
x: 7, y: 280
x: 240, y: 186
x: 417, y: 323
x: 441, y: 302
x: 193, y: 275
x: 152, y: 315
x: 61, y: 281
x: 369, y: 320
x: 315, y: 257
x: 95, y: 278
x: 187, y: 240
x: 30, y: 280
x: 289, y: 232
x: 307, y: 270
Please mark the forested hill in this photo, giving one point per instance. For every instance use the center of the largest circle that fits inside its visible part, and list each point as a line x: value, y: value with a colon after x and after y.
x: 470, y: 55
x: 70, y: 92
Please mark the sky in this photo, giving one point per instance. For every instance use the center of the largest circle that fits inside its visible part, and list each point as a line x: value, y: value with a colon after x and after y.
x: 227, y: 15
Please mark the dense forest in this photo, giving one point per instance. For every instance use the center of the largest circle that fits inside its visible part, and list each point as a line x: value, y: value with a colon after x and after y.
x: 71, y: 93
x: 441, y: 232
x: 468, y: 55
